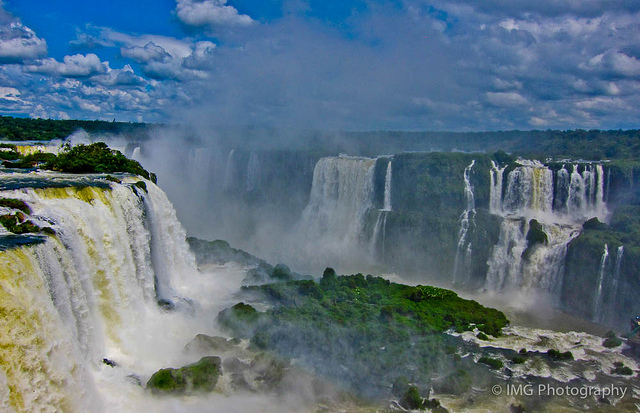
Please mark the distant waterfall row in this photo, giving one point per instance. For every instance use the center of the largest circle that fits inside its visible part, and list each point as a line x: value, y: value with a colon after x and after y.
x: 533, y: 189
x: 560, y: 202
x: 68, y: 301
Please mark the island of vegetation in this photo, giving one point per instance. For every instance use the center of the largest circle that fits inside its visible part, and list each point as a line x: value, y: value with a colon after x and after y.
x: 93, y: 158
x: 364, y: 331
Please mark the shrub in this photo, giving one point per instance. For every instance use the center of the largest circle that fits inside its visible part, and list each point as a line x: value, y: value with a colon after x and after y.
x: 411, y: 399
x: 555, y: 354
x: 94, y: 158
x: 493, y: 363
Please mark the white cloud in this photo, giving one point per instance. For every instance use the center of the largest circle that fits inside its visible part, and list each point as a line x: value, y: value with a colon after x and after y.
x: 150, y: 52
x: 10, y: 93
x: 72, y: 66
x: 506, y: 99
x: 17, y: 41
x: 210, y: 13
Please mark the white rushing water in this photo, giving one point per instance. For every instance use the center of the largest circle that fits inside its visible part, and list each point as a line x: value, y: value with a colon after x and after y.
x: 342, y: 195
x: 560, y: 205
x: 597, y: 301
x: 462, y: 263
x: 90, y: 292
x: 387, y: 188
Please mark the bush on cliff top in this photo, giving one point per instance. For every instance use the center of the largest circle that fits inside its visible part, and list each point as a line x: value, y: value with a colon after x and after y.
x: 94, y: 158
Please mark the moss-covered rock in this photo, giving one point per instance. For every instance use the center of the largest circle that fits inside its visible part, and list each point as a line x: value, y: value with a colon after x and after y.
x: 197, y: 377
x: 241, y: 319
x: 142, y: 185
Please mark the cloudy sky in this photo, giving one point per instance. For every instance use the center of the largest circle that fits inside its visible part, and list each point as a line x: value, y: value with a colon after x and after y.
x: 332, y: 64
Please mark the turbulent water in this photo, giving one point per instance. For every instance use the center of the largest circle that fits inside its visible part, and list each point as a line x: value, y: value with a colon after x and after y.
x: 560, y: 205
x: 90, y: 292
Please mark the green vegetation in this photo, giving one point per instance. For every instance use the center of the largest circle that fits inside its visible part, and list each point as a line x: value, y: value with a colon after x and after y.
x: 611, y: 340
x: 483, y: 336
x: 15, y: 204
x: 23, y: 129
x: 18, y: 223
x: 493, y: 363
x: 555, y: 354
x: 620, y: 369
x: 361, y: 330
x: 458, y: 382
x: 95, y: 158
x: 411, y: 399
x: 518, y: 360
x: 196, y: 377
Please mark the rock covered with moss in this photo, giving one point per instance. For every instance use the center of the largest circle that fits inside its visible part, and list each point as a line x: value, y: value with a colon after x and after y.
x: 201, y: 376
x: 361, y: 331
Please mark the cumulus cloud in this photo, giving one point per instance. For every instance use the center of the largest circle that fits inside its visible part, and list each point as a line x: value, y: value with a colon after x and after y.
x: 210, y: 13
x: 413, y: 64
x: 150, y: 52
x: 17, y: 41
x: 72, y: 66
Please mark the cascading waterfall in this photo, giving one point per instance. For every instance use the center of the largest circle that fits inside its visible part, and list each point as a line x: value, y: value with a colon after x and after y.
x: 253, y: 170
x: 379, y: 236
x: 342, y: 195
x: 85, y: 293
x: 387, y: 188
x: 496, y: 174
x: 462, y: 263
x: 505, y: 264
x: 613, y: 288
x: 380, y: 228
x: 597, y: 301
x: 229, y: 171
x: 561, y: 209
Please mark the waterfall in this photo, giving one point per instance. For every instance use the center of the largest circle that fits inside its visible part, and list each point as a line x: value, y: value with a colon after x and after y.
x: 84, y: 293
x: 387, y: 188
x: 253, y: 169
x: 136, y: 155
x: 496, y: 173
x: 342, y: 195
x: 613, y: 289
x: 462, y: 263
x: 562, y: 189
x: 505, y: 264
x: 229, y: 171
x: 597, y: 302
x: 379, y: 235
x: 529, y: 190
x: 601, y: 208
x: 560, y: 205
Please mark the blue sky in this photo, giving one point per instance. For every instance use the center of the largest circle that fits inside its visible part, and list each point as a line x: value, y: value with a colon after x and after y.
x: 356, y: 64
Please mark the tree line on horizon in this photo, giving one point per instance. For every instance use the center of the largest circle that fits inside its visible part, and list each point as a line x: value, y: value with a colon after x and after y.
x: 591, y: 144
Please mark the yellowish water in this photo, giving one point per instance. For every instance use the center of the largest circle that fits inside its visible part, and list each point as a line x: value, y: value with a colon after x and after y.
x: 27, y: 329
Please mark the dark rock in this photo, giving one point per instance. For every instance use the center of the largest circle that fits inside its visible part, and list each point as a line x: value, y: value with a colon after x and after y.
x: 234, y: 365
x: 166, y: 305
x: 208, y: 344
